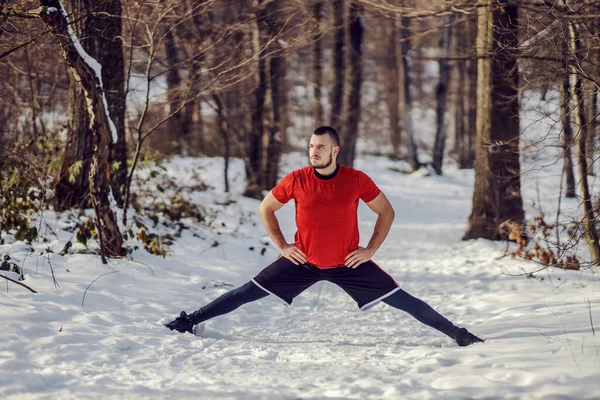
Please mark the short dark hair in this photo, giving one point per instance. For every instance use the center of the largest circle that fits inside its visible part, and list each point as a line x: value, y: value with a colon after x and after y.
x: 327, y: 130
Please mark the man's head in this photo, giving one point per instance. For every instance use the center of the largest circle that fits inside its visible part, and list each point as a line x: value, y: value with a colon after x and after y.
x: 324, y: 147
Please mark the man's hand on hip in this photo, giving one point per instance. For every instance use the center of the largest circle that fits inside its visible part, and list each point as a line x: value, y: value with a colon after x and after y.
x: 357, y: 257
x: 294, y: 254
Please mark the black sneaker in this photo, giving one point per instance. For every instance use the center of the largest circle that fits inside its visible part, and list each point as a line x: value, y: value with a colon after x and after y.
x: 182, y: 324
x: 464, y: 338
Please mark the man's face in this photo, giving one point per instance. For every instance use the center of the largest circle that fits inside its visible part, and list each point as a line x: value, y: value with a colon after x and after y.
x: 321, y: 151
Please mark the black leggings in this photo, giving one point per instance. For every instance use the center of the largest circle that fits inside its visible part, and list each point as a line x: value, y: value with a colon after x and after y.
x: 421, y: 311
x: 250, y: 292
x: 228, y: 302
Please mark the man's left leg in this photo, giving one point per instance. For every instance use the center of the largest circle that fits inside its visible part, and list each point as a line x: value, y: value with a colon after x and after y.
x: 368, y: 284
x: 425, y: 314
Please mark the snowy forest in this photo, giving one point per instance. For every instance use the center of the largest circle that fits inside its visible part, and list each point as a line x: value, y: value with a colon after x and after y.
x: 138, y: 138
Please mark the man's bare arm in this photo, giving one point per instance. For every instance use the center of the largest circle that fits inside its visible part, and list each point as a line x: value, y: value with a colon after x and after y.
x: 381, y: 206
x: 266, y: 211
x: 385, y: 217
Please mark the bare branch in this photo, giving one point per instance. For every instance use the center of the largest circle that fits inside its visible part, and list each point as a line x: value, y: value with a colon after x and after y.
x: 18, y: 283
x: 86, y: 289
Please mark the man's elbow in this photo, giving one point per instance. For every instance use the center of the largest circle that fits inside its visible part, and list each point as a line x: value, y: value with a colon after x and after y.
x: 264, y: 210
x: 391, y: 214
x: 388, y: 212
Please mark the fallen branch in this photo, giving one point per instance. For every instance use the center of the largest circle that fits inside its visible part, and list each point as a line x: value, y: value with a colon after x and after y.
x: 18, y: 283
x: 139, y: 262
x: 86, y: 289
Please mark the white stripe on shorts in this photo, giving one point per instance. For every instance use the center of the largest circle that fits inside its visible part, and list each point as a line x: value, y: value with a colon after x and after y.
x: 285, y: 303
x: 376, y: 301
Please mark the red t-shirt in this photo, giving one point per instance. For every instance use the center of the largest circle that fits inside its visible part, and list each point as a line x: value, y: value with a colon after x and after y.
x: 326, y: 212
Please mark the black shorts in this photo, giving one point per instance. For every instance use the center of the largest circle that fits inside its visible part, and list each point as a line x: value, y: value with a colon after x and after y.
x: 367, y: 284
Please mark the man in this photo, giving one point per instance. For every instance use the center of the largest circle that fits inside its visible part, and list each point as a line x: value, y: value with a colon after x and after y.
x: 326, y: 244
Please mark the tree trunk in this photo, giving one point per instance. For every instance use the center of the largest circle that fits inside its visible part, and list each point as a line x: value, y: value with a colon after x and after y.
x: 274, y: 149
x: 471, y: 85
x: 565, y: 113
x: 318, y: 64
x: 593, y: 28
x: 418, y: 71
x: 394, y: 106
x: 459, y: 77
x: 221, y: 121
x: 170, y: 139
x: 107, y: 33
x: 195, y: 34
x: 233, y: 97
x: 592, y: 111
x: 102, y: 128
x: 72, y: 187
x: 186, y: 114
x: 589, y: 226
x: 413, y: 156
x: 355, y: 78
x: 497, y: 193
x: 100, y: 29
x: 339, y: 65
x: 277, y: 71
x: 254, y: 169
x: 460, y: 134
x: 441, y: 91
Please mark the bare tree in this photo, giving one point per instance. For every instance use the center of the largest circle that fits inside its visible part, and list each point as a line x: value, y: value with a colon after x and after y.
x: 72, y: 186
x: 109, y: 36
x: 565, y: 112
x: 197, y: 35
x: 254, y: 169
x: 497, y: 191
x: 405, y: 92
x: 175, y: 92
x: 592, y: 88
x: 339, y: 64
x: 274, y: 20
x: 441, y: 91
x: 394, y: 105
x: 459, y: 102
x: 102, y: 128
x: 471, y: 99
x: 354, y: 81
x: 589, y: 226
x: 222, y: 122
x: 591, y: 146
x: 318, y: 11
x: 100, y: 31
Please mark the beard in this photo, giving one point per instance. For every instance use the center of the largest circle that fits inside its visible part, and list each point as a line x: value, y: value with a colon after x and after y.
x: 321, y: 163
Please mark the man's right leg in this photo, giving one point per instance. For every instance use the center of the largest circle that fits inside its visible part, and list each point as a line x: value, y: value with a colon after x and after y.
x: 282, y: 279
x: 228, y: 302
x: 222, y: 305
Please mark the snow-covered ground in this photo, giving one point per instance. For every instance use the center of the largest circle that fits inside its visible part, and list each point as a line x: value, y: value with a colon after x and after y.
x: 106, y: 340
